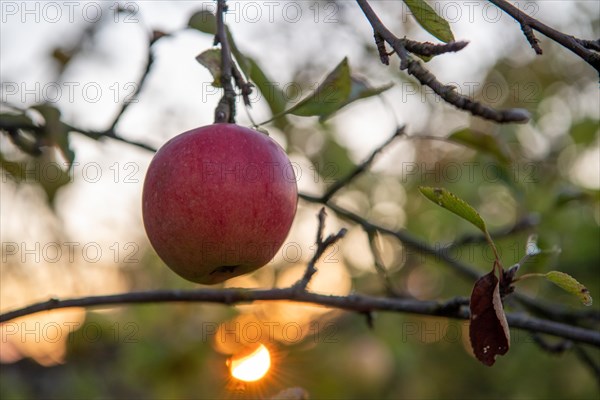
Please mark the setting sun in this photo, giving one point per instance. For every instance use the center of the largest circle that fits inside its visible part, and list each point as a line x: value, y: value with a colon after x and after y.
x: 251, y: 367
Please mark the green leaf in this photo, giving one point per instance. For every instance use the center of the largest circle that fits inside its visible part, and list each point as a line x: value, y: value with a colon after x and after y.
x: 453, y: 203
x: 333, y: 160
x: 483, y: 142
x: 329, y: 96
x: 204, y: 21
x: 14, y: 169
x: 430, y: 20
x: 211, y: 59
x: 55, y: 131
x: 53, y: 177
x: 338, y: 90
x: 570, y: 285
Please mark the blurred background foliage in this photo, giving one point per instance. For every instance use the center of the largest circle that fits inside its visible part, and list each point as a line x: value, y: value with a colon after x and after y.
x: 545, y: 172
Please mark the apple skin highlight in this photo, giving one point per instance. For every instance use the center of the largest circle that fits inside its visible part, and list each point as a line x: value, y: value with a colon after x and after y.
x: 218, y: 202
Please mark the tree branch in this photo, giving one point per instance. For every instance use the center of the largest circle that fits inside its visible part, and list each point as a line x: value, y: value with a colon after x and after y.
x: 426, y: 78
x: 362, y: 167
x: 149, y: 61
x: 578, y: 46
x: 96, y: 135
x: 322, y: 245
x: 379, y: 267
x: 354, y: 302
x: 588, y: 361
x: 552, y: 348
x: 408, y: 240
x: 428, y: 49
x: 12, y: 128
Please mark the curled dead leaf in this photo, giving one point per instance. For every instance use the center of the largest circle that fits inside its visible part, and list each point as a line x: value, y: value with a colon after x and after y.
x: 488, y: 329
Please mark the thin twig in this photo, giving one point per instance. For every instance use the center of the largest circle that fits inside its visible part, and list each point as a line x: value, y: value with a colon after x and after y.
x: 133, y: 98
x: 321, y: 226
x: 96, y: 135
x: 12, y: 129
x: 322, y: 245
x: 588, y: 361
x: 426, y: 78
x: 379, y: 267
x: 533, y: 41
x: 362, y: 167
x: 577, y: 46
x: 552, y: 348
x: 383, y: 54
x: 556, y: 312
x: 406, y: 238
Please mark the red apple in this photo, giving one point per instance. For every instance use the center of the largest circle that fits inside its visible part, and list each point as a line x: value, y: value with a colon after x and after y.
x: 218, y: 202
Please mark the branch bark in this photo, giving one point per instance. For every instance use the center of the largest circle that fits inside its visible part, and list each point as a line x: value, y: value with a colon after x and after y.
x: 577, y: 46
x: 426, y: 78
x: 354, y: 302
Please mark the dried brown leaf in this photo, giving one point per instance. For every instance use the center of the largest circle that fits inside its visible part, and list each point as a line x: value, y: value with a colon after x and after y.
x: 488, y: 330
